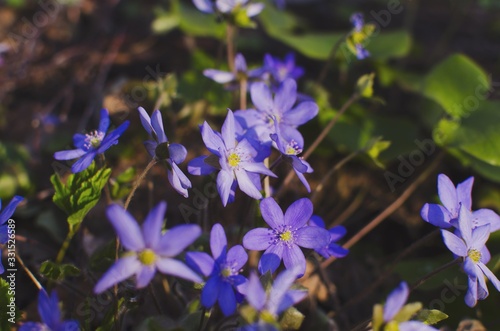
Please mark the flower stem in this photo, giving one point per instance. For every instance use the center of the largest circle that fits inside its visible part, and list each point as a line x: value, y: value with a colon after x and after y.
x: 243, y: 94
x: 28, y: 272
x: 138, y: 182
x: 435, y: 272
x: 331, y: 57
x: 65, y: 246
x: 230, y: 33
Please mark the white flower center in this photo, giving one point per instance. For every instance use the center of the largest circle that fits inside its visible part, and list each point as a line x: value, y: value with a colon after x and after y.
x: 93, y: 139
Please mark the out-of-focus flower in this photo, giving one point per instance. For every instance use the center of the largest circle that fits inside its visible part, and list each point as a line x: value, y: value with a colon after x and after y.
x: 5, y: 215
x: 288, y: 233
x: 170, y: 154
x: 48, y: 308
x: 92, y: 144
x: 358, y: 36
x: 148, y: 249
x: 228, y: 6
x: 233, y: 78
x: 336, y: 233
x: 281, y: 70
x: 222, y: 271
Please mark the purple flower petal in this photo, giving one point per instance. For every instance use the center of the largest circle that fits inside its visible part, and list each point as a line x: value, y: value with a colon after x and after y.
x: 8, y: 211
x: 121, y: 270
x: 471, y: 269
x: 455, y: 244
x: 299, y: 213
x: 465, y: 224
x: 240, y: 65
x: 151, y: 228
x: 485, y: 255
x: 83, y: 163
x: 200, y: 262
x: 479, y: 236
x: 177, y: 152
x: 228, y: 132
x: 197, y: 166
x: 303, y: 180
x: 246, y: 184
x: 258, y: 239
x: 177, y: 239
x: 491, y: 276
x: 436, y: 215
x: 144, y: 276
x: 293, y: 257
x: 210, y: 292
x: 178, y: 180
x: 112, y: 138
x: 337, y: 232
x: 254, y: 9
x: 395, y: 301
x: 471, y: 295
x: 303, y: 113
x: 157, y: 124
x: 272, y: 213
x: 48, y: 307
x: 145, y: 121
x: 177, y: 268
x: 224, y: 182
x: 69, y: 326
x: 317, y: 221
x: 227, y: 299
x: 205, y: 6
x: 237, y: 257
x: 464, y: 190
x: 151, y: 147
x: 286, y: 96
x: 415, y: 326
x: 280, y: 288
x: 257, y: 167
x: 337, y: 251
x: 312, y: 237
x: 261, y: 97
x: 448, y: 194
x: 290, y: 298
x: 69, y: 154
x: 218, y: 241
x: 104, y: 122
x: 486, y: 216
x: 126, y: 228
x: 79, y: 140
x: 255, y: 293
x: 221, y: 77
x: 271, y: 259
x: 212, y: 140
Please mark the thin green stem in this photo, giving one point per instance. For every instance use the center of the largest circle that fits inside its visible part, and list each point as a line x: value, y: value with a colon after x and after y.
x: 64, y: 247
x: 230, y: 33
x: 435, y: 272
x: 331, y: 57
x: 138, y: 182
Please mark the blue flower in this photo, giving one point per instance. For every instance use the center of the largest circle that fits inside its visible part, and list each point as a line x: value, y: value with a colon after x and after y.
x: 446, y: 215
x: 288, y: 233
x: 289, y: 150
x: 281, y: 70
x: 281, y: 109
x: 48, y: 308
x: 234, y: 159
x: 336, y: 233
x: 272, y: 303
x: 471, y: 246
x: 171, y: 154
x: 222, y: 271
x: 358, y: 36
x: 5, y: 215
x: 241, y: 73
x: 390, y: 318
x: 92, y: 144
x: 227, y: 6
x: 147, y: 248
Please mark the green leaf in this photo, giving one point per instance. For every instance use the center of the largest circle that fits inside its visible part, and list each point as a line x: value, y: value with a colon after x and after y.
x: 364, y: 85
x: 122, y: 184
x: 14, y: 170
x: 109, y: 322
x: 10, y: 312
x: 165, y: 22
x: 387, y: 45
x: 292, y: 319
x: 80, y: 194
x: 58, y: 272
x: 457, y: 84
x: 375, y: 147
x: 430, y: 316
x: 407, y: 312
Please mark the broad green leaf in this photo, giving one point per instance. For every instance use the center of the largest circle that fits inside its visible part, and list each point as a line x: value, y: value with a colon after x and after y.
x: 10, y: 312
x: 165, y: 22
x: 387, y: 45
x: 58, y: 272
x: 122, y: 184
x: 430, y: 316
x: 80, y: 194
x: 458, y: 84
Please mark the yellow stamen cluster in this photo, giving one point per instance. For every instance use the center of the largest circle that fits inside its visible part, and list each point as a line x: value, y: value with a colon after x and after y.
x: 233, y: 160
x: 286, y: 236
x: 474, y: 255
x: 147, y: 257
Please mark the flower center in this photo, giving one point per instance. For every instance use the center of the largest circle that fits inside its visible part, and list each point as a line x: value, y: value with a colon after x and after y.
x: 147, y: 257
x: 286, y: 236
x: 162, y: 152
x: 474, y: 255
x: 233, y: 159
x: 93, y: 139
x: 226, y: 272
x: 293, y: 148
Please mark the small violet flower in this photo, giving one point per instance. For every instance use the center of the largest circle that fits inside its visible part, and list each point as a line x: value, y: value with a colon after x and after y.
x: 234, y: 159
x: 336, y: 233
x: 288, y: 233
x: 92, y: 144
x: 222, y: 271
x: 5, y: 215
x: 147, y: 248
x: 280, y: 109
x: 281, y: 70
x: 241, y: 73
x: 446, y: 215
x: 471, y: 246
x: 228, y: 6
x: 48, y: 308
x: 278, y: 299
x: 289, y: 150
x: 170, y: 154
x: 358, y: 36
x: 389, y: 318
